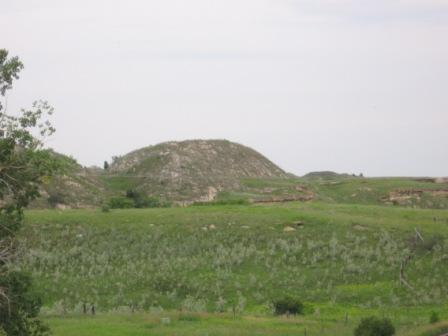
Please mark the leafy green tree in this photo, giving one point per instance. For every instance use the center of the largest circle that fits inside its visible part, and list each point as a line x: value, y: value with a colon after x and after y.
x: 373, y: 326
x: 288, y: 305
x: 24, y: 166
x: 434, y: 317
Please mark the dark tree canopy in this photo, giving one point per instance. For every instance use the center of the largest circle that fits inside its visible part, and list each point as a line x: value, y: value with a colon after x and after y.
x: 373, y: 326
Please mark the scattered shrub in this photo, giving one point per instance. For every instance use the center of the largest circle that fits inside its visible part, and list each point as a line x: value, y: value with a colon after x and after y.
x: 120, y: 202
x: 434, y: 317
x: 56, y: 198
x: 373, y: 326
x: 430, y: 243
x: 135, y: 199
x: 288, y: 306
x: 191, y: 304
x: 143, y: 201
x: 105, y: 207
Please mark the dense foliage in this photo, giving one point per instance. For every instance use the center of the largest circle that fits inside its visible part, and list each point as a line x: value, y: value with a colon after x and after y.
x: 373, y: 326
x: 24, y: 166
x: 287, y: 306
x: 434, y: 317
x: 136, y: 199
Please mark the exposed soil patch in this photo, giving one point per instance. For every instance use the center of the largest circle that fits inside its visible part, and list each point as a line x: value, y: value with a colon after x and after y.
x: 359, y: 227
x: 412, y: 196
x: 284, y: 199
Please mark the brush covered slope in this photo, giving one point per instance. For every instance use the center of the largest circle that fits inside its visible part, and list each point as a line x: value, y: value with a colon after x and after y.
x: 188, y: 171
x: 207, y: 171
x: 338, y: 259
x: 74, y: 187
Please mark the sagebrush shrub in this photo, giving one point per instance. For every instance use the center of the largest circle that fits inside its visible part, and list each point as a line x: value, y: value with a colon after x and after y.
x: 374, y: 326
x: 288, y: 306
x: 434, y: 317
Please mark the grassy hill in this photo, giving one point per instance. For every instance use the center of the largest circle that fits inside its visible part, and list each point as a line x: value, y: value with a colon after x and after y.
x: 187, y: 171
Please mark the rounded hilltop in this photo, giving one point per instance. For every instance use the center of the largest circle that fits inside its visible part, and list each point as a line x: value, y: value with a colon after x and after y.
x: 192, y: 170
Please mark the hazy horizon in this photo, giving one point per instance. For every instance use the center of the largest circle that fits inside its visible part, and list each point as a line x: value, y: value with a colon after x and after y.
x: 348, y: 86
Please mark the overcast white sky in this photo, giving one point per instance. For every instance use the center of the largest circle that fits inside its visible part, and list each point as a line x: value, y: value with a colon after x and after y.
x: 345, y: 85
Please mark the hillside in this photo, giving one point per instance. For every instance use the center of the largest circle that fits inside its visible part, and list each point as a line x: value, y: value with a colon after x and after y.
x: 338, y: 259
x: 218, y: 170
x: 74, y: 187
x: 193, y: 170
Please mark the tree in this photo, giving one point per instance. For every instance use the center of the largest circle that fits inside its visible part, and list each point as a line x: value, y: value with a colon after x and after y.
x: 373, y: 326
x: 24, y: 166
x: 434, y: 317
x: 106, y: 165
x: 288, y: 305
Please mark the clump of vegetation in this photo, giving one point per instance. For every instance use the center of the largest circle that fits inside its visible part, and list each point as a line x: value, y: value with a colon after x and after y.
x: 143, y: 201
x: 105, y: 207
x: 56, y: 198
x: 287, y: 306
x: 434, y: 317
x: 136, y: 199
x: 374, y: 326
x: 430, y: 243
x: 120, y: 202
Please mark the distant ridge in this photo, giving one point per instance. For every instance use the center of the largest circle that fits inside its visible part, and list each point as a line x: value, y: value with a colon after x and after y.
x: 326, y: 174
x: 186, y: 172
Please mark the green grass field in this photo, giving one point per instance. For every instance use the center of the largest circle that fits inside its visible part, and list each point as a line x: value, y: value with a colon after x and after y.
x: 174, y: 323
x: 215, y: 270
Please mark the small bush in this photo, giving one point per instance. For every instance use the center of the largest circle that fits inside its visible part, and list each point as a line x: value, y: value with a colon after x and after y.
x: 434, y: 317
x: 105, y: 207
x: 56, y: 198
x: 121, y: 203
x: 143, y: 201
x: 288, y: 306
x: 191, y: 304
x: 373, y: 326
x: 430, y: 243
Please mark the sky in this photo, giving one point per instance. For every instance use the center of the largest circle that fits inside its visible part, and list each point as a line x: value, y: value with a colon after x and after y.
x: 344, y: 85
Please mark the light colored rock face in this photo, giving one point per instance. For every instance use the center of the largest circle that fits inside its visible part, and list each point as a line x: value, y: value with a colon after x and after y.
x: 210, y: 196
x: 441, y: 180
x: 194, y: 170
x: 418, y: 197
